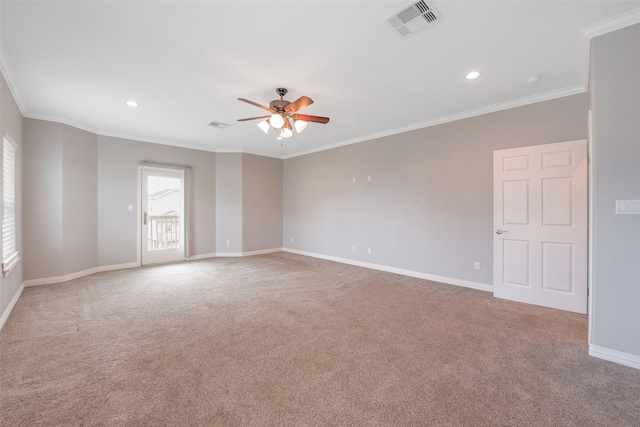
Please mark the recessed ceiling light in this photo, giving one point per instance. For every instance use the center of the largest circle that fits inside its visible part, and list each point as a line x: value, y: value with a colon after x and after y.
x: 473, y: 75
x: 132, y: 103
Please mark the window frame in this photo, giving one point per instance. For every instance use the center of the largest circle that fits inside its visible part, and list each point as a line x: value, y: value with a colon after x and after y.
x: 9, y: 260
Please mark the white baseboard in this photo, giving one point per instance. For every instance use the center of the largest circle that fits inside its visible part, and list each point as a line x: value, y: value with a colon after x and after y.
x: 228, y: 254
x: 9, y: 308
x: 410, y: 273
x: 67, y: 277
x: 262, y: 252
x: 118, y: 266
x: 202, y: 256
x: 235, y: 254
x: 615, y: 356
x: 59, y: 279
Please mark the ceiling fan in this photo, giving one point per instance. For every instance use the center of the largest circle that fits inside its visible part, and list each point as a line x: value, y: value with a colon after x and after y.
x: 282, y: 112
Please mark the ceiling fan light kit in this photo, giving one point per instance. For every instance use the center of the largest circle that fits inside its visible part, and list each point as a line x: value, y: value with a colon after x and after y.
x: 300, y: 125
x: 264, y: 126
x: 282, y: 112
x: 277, y: 121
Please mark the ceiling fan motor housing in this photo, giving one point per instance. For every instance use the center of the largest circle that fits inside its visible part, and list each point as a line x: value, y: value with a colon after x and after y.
x: 279, y: 105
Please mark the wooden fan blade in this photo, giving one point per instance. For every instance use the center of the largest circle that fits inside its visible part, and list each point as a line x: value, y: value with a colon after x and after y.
x: 287, y: 124
x: 256, y: 104
x: 311, y: 119
x: 254, y: 118
x: 299, y: 104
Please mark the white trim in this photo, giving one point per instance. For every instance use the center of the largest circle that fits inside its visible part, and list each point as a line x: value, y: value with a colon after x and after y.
x: 60, y: 279
x: 139, y: 216
x: 5, y: 68
x: 10, y: 260
x: 10, y: 263
x: 202, y: 256
x: 599, y: 28
x: 99, y: 132
x: 235, y: 254
x: 614, y: 23
x: 184, y: 171
x: 596, y: 29
x: 9, y: 308
x: 118, y: 266
x: 62, y: 120
x: 590, y: 218
x: 77, y: 274
x: 262, y: 252
x: 615, y: 356
x: 411, y: 273
x: 228, y: 254
x: 244, y: 151
x: 547, y: 96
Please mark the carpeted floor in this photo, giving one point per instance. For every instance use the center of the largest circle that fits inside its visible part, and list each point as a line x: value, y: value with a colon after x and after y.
x: 287, y: 340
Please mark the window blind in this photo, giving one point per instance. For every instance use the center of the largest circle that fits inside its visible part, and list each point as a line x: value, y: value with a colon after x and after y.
x: 9, y: 245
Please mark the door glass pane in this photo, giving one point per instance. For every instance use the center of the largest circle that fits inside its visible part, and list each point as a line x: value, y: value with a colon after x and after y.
x: 164, y: 213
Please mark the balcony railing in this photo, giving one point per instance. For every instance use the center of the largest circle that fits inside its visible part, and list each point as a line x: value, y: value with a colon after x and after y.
x: 163, y: 232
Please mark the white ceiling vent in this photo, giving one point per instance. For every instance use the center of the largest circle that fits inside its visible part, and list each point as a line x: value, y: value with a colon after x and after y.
x: 219, y: 125
x: 416, y: 17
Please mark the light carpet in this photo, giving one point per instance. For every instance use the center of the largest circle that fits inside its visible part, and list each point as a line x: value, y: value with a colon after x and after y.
x: 287, y: 340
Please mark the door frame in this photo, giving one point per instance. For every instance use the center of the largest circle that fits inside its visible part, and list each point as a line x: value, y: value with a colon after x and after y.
x: 161, y: 167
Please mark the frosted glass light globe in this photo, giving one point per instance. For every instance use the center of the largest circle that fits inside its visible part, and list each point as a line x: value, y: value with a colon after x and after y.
x: 276, y: 121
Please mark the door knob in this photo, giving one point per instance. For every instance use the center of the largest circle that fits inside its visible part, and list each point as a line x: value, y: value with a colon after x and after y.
x: 501, y: 231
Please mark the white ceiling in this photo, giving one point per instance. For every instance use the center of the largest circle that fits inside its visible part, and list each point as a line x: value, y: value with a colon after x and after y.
x: 185, y: 63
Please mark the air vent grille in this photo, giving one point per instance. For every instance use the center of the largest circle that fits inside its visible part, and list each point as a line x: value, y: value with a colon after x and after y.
x: 218, y: 125
x: 416, y: 17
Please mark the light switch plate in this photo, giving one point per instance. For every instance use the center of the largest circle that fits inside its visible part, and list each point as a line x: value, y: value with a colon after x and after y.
x: 627, y: 207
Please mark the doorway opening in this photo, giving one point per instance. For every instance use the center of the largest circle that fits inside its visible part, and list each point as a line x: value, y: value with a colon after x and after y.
x: 162, y: 228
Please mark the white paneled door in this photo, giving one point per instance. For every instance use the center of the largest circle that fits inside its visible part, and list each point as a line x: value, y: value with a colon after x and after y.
x: 540, y: 225
x: 162, y: 220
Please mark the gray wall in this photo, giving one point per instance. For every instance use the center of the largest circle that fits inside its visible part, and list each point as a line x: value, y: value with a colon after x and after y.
x: 428, y: 207
x: 42, y: 198
x: 118, y: 161
x: 79, y: 200
x: 79, y: 186
x: 261, y: 203
x: 228, y: 194
x: 615, y: 103
x: 11, y: 122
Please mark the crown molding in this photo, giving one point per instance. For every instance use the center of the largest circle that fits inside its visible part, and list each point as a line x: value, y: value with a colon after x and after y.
x: 547, y: 96
x: 62, y: 120
x: 614, y: 23
x: 5, y: 69
x: 98, y: 132
x: 594, y: 30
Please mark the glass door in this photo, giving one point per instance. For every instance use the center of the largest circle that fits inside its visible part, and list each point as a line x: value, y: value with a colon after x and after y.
x: 162, y: 207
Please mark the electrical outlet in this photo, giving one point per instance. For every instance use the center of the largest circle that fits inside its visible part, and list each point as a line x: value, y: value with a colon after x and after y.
x: 292, y: 240
x: 228, y: 242
x: 353, y: 248
x: 354, y: 179
x: 369, y: 251
x: 476, y: 265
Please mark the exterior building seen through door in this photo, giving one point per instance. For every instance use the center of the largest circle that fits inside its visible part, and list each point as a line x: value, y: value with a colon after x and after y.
x: 162, y: 228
